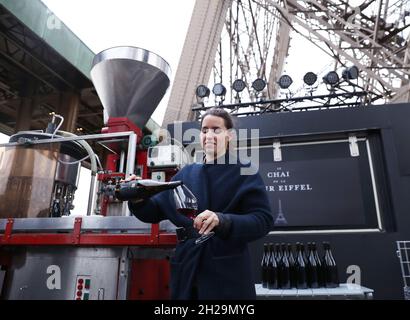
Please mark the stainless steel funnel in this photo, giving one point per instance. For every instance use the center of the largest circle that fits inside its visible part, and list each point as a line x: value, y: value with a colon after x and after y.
x: 130, y: 82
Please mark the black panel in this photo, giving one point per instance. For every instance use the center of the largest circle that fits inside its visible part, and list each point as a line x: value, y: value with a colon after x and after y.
x: 320, y: 187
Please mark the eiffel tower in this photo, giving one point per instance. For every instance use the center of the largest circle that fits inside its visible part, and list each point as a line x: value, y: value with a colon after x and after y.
x: 280, y: 219
x: 234, y: 39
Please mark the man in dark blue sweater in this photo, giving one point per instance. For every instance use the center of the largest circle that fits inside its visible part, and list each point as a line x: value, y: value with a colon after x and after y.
x: 233, y: 205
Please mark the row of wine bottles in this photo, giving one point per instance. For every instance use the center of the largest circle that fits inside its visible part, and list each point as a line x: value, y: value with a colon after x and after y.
x: 282, y: 269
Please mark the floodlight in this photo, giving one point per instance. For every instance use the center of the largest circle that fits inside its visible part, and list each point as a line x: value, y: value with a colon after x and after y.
x: 238, y: 85
x: 259, y: 84
x: 202, y: 91
x: 285, y: 81
x: 331, y: 78
x: 219, y: 89
x: 310, y: 78
x: 350, y: 73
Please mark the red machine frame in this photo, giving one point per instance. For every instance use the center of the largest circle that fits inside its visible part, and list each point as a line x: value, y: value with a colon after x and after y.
x: 80, y: 238
x: 149, y: 277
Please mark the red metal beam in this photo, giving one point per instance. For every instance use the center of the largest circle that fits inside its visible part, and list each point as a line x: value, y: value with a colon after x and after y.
x: 81, y: 238
x: 88, y: 239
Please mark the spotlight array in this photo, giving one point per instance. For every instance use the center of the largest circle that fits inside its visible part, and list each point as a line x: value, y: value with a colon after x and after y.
x: 310, y: 79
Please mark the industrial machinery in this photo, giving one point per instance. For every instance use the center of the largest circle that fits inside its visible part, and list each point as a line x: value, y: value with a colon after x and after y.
x: 46, y: 253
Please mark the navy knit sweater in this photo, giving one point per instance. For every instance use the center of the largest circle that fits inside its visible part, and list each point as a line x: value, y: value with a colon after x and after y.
x: 220, y: 267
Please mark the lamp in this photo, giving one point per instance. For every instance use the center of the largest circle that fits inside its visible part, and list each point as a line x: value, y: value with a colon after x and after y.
x: 331, y: 78
x: 219, y: 89
x: 238, y: 85
x: 202, y: 91
x: 350, y: 73
x: 310, y: 78
x: 259, y: 84
x: 285, y: 81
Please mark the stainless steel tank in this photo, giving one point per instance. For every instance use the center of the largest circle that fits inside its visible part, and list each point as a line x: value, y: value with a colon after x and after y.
x: 38, y: 180
x: 27, y: 179
x: 67, y: 170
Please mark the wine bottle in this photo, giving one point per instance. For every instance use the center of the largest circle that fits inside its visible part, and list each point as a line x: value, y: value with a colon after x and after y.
x: 264, y: 265
x: 272, y: 270
x: 302, y: 249
x: 292, y: 270
x: 330, y: 267
x: 140, y: 189
x: 311, y: 269
x: 278, y: 253
x: 284, y: 269
x: 320, y: 277
x: 300, y: 268
x: 307, y: 249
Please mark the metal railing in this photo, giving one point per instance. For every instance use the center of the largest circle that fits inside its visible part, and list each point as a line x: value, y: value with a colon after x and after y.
x: 403, y: 252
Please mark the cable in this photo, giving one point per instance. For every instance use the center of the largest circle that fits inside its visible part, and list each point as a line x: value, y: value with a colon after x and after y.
x: 74, y: 162
x: 91, y: 153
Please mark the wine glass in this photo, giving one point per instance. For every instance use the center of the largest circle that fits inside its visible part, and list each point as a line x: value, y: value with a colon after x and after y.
x: 187, y: 204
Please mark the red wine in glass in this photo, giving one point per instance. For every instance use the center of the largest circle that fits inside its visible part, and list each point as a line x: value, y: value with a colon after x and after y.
x: 190, y: 213
x: 187, y: 204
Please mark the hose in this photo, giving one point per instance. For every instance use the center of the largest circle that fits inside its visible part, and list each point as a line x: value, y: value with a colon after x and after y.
x: 94, y: 168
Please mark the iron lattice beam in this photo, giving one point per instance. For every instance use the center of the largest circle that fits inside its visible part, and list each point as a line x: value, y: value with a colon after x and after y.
x: 351, y: 36
x: 374, y: 36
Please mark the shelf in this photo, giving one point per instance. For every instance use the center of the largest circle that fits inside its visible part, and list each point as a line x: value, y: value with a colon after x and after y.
x: 344, y: 291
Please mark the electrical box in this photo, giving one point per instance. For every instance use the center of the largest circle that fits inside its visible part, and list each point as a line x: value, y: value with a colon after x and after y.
x: 165, y: 156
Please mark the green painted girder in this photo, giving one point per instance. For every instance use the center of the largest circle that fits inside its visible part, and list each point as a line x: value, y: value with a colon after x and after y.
x: 37, y: 17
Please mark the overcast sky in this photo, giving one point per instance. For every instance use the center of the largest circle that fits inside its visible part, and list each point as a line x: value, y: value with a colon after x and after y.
x: 156, y: 25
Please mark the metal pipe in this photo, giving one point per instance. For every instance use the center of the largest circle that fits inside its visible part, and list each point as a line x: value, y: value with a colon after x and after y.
x: 94, y: 168
x: 91, y: 193
x: 132, y: 146
x: 122, y: 159
x: 132, y: 150
x: 74, y: 138
x: 124, y: 210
